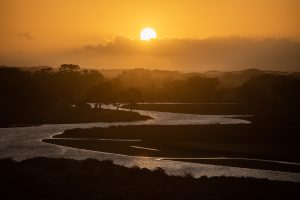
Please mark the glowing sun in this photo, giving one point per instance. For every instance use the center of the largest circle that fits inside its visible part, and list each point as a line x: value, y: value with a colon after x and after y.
x: 148, y: 34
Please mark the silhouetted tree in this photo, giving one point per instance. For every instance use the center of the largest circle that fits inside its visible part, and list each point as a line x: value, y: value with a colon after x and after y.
x: 46, y: 87
x: 119, y: 98
x: 271, y: 88
x: 100, y: 94
x: 133, y: 96
x: 69, y: 68
x: 193, y: 89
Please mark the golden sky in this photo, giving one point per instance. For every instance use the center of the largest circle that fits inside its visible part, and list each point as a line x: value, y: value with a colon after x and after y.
x: 49, y: 32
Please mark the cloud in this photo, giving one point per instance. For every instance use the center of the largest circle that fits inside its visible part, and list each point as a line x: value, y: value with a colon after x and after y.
x: 210, y: 53
x: 26, y: 35
x: 217, y: 53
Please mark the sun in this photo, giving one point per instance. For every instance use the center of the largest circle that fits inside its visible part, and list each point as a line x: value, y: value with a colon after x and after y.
x: 148, y: 34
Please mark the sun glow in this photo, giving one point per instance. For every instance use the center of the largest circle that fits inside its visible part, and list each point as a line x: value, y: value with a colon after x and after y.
x: 148, y: 34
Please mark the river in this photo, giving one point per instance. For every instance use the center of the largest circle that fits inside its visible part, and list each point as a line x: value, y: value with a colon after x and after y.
x: 21, y: 143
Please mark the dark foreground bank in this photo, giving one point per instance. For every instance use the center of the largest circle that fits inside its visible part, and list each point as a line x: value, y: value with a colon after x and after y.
x: 45, y: 178
x: 23, y: 116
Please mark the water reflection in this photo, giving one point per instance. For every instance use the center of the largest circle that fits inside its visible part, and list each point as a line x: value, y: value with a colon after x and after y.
x: 25, y: 142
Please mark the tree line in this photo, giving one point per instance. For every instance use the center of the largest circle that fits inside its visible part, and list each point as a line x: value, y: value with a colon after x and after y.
x: 71, y: 85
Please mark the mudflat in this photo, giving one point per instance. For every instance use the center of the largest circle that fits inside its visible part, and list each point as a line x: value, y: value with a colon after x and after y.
x: 252, y: 141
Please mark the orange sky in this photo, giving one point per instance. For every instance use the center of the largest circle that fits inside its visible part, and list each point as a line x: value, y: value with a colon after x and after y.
x: 35, y: 32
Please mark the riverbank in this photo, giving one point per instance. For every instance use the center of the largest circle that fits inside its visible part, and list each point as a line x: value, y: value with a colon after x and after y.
x: 261, y: 114
x: 194, y: 108
x: 269, y: 116
x: 22, y: 117
x: 194, y: 141
x: 45, y: 178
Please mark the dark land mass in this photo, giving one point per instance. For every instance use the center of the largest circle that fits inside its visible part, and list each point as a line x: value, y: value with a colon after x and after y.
x: 45, y: 178
x: 279, y: 143
x: 28, y: 116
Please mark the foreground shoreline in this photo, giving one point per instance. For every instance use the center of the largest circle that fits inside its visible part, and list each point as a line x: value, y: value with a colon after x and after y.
x: 27, y: 117
x: 45, y: 178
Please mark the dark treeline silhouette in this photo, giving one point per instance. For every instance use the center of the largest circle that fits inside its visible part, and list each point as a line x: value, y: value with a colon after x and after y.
x: 71, y: 85
x: 64, y: 95
x: 192, y: 89
x: 266, y: 88
x: 249, y: 86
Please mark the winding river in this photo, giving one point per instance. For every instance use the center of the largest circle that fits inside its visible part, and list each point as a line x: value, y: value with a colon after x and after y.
x: 26, y: 142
